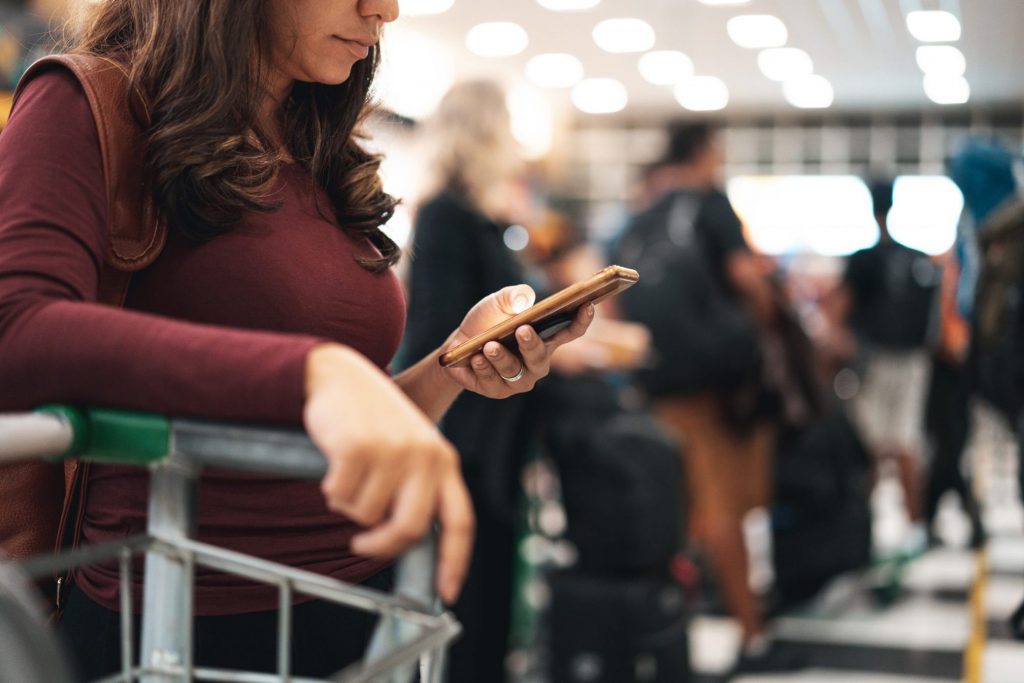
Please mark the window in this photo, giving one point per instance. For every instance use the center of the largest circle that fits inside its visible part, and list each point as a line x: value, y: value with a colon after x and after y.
x: 925, y: 212
x: 832, y: 215
x: 829, y: 215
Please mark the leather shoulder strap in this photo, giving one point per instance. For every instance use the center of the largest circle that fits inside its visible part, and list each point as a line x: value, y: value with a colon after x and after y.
x: 136, y: 235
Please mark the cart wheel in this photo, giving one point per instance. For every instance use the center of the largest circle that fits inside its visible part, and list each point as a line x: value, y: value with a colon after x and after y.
x: 29, y: 652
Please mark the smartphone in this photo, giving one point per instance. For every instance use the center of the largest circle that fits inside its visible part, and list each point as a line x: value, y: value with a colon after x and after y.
x: 547, y: 317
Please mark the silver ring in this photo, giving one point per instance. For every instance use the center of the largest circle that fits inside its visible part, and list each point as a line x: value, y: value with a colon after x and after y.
x: 516, y: 377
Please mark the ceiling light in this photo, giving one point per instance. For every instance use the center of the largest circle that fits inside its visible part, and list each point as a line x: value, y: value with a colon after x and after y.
x: 554, y: 70
x: 933, y: 26
x: 600, y: 96
x: 785, y: 63
x: 757, y: 31
x: 809, y: 92
x: 942, y: 89
x: 724, y: 3
x: 568, y: 5
x: 941, y: 59
x: 665, y: 67
x: 624, y: 35
x: 414, y: 8
x: 702, y: 93
x: 497, y: 39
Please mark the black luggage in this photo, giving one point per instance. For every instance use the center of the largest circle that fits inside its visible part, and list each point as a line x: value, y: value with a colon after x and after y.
x: 620, y: 477
x: 821, y: 519
x: 618, y: 630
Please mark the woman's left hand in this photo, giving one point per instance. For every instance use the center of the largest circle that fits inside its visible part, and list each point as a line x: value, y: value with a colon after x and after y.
x: 498, y: 372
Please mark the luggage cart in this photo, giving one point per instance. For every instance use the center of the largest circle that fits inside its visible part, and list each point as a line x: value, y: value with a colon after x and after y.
x: 412, y: 630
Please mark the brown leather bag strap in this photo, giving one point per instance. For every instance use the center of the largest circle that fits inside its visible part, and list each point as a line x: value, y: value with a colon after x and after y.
x: 136, y: 235
x: 69, y: 526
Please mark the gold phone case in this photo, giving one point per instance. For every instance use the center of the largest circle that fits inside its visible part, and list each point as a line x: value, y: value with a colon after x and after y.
x: 548, y: 316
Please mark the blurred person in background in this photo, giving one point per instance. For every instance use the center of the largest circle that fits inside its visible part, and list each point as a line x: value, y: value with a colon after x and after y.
x: 704, y: 294
x: 990, y: 250
x: 472, y: 196
x: 947, y: 412
x: 887, y: 308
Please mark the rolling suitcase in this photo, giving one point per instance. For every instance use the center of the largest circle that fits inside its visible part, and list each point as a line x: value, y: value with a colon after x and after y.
x: 618, y: 630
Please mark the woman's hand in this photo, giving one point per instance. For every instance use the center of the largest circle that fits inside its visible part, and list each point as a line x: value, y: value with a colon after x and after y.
x: 389, y: 468
x: 497, y: 372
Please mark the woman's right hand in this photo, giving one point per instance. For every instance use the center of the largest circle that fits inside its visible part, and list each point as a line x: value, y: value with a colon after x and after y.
x: 389, y: 468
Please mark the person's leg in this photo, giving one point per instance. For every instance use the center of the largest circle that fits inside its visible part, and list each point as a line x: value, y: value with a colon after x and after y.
x: 902, y: 427
x: 709, y: 457
x: 485, y: 604
x: 937, y: 438
x: 908, y: 464
x: 948, y: 421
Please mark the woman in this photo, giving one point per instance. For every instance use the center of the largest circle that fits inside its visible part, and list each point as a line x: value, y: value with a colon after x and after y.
x: 272, y: 301
x: 459, y: 255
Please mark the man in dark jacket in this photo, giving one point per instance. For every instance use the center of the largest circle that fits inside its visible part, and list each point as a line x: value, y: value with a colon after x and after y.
x: 889, y: 299
x: 703, y: 293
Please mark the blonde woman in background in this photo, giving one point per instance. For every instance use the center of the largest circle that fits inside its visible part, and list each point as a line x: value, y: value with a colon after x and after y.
x: 472, y: 195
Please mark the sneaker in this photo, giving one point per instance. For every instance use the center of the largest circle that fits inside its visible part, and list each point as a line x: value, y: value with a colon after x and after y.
x: 1017, y: 622
x: 978, y: 536
x: 774, y: 657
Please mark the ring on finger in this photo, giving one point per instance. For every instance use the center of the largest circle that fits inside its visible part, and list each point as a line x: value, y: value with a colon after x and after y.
x: 516, y: 377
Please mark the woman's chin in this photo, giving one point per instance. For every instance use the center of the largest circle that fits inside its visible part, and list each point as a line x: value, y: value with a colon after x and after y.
x: 335, y: 76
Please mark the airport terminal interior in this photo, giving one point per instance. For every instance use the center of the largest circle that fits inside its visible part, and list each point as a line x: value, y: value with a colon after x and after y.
x: 790, y: 451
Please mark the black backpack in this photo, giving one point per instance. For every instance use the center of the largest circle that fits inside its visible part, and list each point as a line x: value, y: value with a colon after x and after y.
x: 620, y: 477
x: 821, y: 516
x: 618, y: 630
x: 904, y: 313
x: 701, y: 336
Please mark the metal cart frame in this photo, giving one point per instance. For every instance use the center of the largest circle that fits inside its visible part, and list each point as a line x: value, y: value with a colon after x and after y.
x: 412, y: 627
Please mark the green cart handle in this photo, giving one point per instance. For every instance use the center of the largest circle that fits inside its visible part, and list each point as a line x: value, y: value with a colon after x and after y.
x: 134, y: 438
x: 59, y: 432
x: 101, y: 435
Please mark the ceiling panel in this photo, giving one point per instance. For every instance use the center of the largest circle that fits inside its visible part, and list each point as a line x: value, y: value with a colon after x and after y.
x: 861, y: 46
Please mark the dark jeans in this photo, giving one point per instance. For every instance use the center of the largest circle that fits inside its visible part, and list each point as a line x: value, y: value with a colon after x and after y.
x: 325, y: 637
x: 484, y: 607
x: 947, y: 422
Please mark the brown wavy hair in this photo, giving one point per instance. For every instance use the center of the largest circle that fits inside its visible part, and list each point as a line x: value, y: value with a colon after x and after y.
x: 200, y: 66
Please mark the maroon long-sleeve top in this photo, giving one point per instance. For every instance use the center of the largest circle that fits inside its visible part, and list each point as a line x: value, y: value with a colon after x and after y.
x: 219, y: 330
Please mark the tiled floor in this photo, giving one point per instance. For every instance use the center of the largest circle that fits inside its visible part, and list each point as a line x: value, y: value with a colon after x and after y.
x: 922, y: 637
x: 846, y: 637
